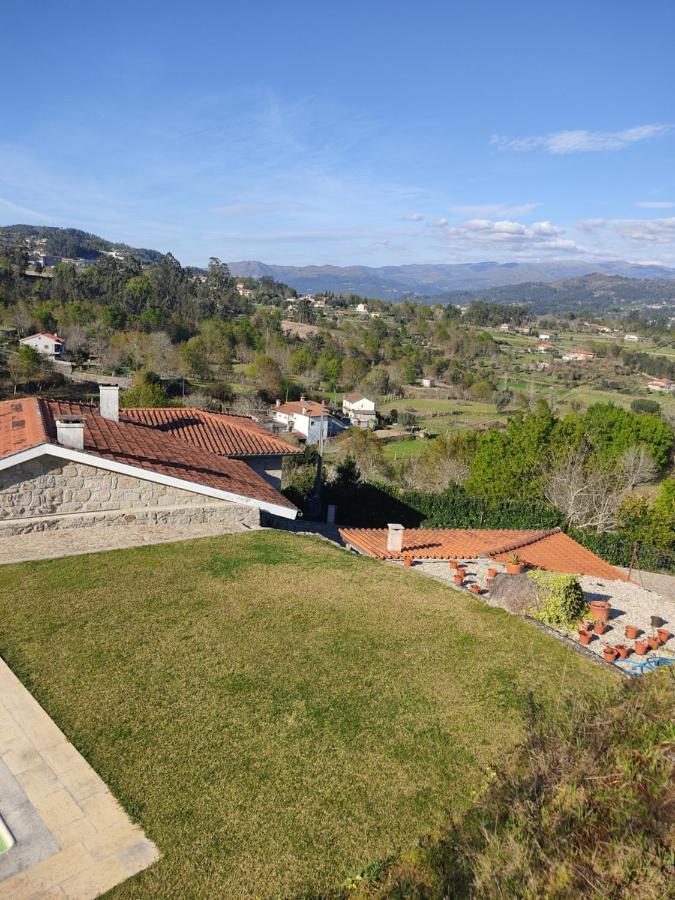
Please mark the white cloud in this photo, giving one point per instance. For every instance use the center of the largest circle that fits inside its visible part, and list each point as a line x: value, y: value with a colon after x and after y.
x: 414, y: 217
x: 442, y: 221
x: 656, y: 231
x: 655, y: 204
x: 494, y: 209
x: 590, y: 224
x: 513, y: 236
x: 581, y: 140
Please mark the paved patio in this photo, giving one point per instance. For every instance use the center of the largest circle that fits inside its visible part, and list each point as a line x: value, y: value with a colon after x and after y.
x: 72, y: 837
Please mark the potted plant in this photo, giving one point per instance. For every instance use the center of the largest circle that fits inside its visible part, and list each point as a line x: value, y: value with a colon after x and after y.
x: 460, y: 570
x: 474, y: 588
x: 600, y: 627
x: 631, y: 632
x: 653, y: 641
x: 609, y: 654
x: 663, y: 635
x: 641, y: 647
x: 407, y: 561
x: 622, y: 650
x: 600, y: 610
x: 492, y: 572
x: 452, y: 564
x: 514, y: 566
x: 458, y: 579
x: 585, y: 637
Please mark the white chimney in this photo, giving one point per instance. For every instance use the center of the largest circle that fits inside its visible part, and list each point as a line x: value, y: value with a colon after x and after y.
x: 70, y: 432
x: 302, y: 398
x: 110, y: 401
x: 277, y: 402
x: 394, y: 538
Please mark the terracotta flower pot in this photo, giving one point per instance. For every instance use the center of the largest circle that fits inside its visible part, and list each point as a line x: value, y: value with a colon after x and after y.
x: 631, y: 632
x: 458, y: 579
x: 514, y: 568
x: 475, y: 589
x: 492, y: 573
x: 408, y: 561
x: 488, y: 582
x: 663, y: 635
x: 600, y: 627
x: 600, y: 610
x: 585, y: 637
x: 622, y: 650
x: 609, y: 654
x: 653, y: 642
x: 460, y: 571
x: 452, y: 564
x: 641, y: 647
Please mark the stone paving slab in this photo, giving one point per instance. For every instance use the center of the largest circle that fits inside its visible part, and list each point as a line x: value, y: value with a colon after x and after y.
x: 73, y: 839
x: 59, y: 542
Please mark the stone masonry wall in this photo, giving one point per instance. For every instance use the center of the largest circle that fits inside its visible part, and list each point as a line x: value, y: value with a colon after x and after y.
x: 49, y: 492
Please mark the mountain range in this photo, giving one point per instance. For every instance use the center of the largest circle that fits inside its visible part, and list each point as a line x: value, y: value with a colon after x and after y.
x: 438, y: 281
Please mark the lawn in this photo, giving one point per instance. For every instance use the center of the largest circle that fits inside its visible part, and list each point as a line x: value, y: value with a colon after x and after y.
x: 276, y: 713
x: 404, y: 449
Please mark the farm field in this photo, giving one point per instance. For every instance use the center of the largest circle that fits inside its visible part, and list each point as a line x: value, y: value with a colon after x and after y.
x: 277, y: 714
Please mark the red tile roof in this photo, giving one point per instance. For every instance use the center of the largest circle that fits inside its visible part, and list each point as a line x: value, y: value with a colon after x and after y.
x: 26, y: 423
x: 549, y: 549
x: 354, y: 397
x: 47, y: 334
x: 222, y: 434
x: 301, y: 408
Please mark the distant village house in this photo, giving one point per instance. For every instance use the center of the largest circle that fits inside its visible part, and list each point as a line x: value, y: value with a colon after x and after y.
x: 306, y: 419
x: 359, y: 410
x: 45, y: 343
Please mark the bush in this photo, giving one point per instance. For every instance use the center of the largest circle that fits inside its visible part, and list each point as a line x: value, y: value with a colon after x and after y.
x: 561, y: 599
x: 646, y: 406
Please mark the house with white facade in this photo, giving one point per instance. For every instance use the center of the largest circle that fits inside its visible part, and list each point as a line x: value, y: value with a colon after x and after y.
x: 543, y: 336
x: 545, y: 347
x: 661, y: 386
x: 359, y: 410
x: 631, y: 338
x: 579, y: 355
x: 305, y: 419
x: 46, y: 344
x: 244, y: 291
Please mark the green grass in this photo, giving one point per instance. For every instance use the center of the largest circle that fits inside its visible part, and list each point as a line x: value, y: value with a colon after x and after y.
x: 277, y: 714
x: 405, y: 449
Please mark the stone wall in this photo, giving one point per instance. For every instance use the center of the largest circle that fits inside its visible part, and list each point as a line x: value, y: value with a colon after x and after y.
x: 49, y: 492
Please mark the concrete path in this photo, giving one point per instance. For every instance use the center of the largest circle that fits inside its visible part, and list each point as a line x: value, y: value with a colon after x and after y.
x: 74, y: 541
x: 72, y: 837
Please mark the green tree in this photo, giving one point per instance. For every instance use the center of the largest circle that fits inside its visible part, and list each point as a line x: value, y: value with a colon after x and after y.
x: 146, y: 391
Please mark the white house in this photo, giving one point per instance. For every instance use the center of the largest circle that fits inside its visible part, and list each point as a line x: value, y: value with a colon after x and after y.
x: 633, y: 338
x: 361, y: 308
x: 505, y: 327
x: 360, y: 410
x: 579, y: 355
x: 661, y: 386
x: 243, y: 291
x: 306, y: 419
x: 45, y: 343
x: 427, y: 382
x: 544, y: 336
x: 545, y: 347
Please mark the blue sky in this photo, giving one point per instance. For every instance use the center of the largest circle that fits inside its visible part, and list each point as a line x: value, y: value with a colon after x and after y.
x: 373, y: 133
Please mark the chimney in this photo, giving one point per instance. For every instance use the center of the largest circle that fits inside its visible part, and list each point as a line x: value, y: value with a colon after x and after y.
x: 70, y: 432
x: 302, y: 398
x: 277, y: 402
x: 110, y: 401
x: 394, y: 538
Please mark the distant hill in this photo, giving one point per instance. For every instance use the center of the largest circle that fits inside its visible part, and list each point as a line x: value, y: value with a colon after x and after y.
x: 596, y: 292
x: 72, y: 242
x: 437, y: 281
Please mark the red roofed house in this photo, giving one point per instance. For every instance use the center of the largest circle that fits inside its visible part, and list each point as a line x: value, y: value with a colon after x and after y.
x: 67, y: 464
x: 306, y: 419
x: 45, y: 343
x: 549, y: 549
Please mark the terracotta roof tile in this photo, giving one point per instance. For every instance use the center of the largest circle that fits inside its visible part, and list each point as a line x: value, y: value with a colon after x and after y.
x: 548, y: 549
x: 26, y: 423
x: 296, y: 407
x: 225, y: 435
x: 21, y: 425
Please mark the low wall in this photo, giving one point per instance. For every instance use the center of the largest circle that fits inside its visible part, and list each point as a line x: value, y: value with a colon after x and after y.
x: 49, y: 492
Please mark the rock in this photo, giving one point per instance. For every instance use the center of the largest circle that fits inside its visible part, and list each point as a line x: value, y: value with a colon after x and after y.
x: 516, y: 594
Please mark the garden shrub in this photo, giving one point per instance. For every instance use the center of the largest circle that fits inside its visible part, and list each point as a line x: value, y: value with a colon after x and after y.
x: 561, y: 599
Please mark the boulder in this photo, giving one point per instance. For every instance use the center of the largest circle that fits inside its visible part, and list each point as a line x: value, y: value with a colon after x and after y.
x: 516, y: 594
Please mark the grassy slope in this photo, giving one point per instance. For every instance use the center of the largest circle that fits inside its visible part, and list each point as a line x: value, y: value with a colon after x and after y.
x: 276, y: 713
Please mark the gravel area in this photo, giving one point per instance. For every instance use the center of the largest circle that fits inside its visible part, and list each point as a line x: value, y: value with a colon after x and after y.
x: 631, y: 604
